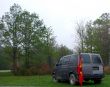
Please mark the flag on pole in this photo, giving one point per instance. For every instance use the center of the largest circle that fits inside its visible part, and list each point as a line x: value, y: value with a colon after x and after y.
x: 80, y: 71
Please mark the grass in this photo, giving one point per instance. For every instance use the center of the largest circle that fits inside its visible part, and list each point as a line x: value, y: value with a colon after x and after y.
x: 43, y: 81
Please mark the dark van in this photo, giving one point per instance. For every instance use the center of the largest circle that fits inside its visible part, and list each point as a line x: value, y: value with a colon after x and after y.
x: 66, y: 68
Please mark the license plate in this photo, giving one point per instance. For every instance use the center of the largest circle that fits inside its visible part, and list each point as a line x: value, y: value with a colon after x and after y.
x: 96, y: 72
x: 95, y: 68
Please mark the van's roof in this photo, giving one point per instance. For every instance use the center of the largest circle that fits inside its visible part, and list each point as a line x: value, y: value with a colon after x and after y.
x: 91, y: 53
x: 81, y: 53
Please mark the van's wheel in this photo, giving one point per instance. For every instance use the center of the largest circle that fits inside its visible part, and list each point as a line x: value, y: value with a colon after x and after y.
x: 97, y: 81
x: 72, y: 79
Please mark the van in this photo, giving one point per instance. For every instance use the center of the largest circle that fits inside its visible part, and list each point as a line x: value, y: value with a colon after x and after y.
x: 66, y: 68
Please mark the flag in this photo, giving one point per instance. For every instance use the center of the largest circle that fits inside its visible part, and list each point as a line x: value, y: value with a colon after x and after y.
x: 80, y: 71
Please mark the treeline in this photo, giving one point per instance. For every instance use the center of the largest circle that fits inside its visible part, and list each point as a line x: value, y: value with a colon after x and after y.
x: 94, y: 37
x: 27, y: 45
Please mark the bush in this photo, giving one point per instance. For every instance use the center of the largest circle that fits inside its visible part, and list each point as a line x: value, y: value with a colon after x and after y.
x: 107, y: 69
x: 41, y: 69
x: 44, y: 69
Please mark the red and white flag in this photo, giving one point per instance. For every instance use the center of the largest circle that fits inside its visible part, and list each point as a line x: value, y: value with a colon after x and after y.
x: 80, y: 71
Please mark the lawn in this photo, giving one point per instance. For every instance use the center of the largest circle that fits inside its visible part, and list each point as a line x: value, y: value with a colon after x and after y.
x: 43, y: 81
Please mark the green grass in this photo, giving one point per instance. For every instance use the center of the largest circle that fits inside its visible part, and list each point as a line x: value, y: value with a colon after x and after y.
x: 43, y: 81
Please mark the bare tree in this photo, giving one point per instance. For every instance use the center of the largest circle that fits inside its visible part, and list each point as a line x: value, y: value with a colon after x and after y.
x: 81, y: 34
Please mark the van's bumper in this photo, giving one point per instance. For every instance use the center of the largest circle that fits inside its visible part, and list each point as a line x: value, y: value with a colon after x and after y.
x: 94, y: 76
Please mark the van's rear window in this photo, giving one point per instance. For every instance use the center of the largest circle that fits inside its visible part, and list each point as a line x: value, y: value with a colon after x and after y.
x: 96, y: 59
x: 86, y: 58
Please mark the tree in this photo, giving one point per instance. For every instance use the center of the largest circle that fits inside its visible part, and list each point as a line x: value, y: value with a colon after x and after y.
x: 81, y: 35
x: 102, y: 25
x: 35, y: 35
x: 63, y: 50
x: 29, y: 42
x: 89, y: 37
x: 10, y: 32
x: 96, y: 37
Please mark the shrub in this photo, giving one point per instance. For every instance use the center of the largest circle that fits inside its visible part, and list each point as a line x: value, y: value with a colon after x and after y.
x: 41, y: 69
x: 107, y: 69
x: 44, y: 69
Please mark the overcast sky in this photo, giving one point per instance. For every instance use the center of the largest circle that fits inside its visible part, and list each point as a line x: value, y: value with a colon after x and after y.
x: 62, y: 15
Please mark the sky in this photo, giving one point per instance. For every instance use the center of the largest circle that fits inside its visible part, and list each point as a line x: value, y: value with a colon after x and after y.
x: 62, y: 15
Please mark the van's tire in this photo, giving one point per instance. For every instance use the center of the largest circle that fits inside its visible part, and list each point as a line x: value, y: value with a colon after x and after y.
x: 97, y: 81
x: 72, y: 79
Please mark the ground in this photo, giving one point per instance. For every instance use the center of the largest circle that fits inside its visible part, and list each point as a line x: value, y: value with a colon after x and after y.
x: 9, y: 80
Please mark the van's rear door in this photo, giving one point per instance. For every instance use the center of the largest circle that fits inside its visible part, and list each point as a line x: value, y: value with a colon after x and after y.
x: 97, y: 67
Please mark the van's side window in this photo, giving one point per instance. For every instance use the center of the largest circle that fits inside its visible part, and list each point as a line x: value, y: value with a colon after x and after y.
x: 73, y: 59
x: 86, y: 58
x: 61, y: 61
x: 66, y: 60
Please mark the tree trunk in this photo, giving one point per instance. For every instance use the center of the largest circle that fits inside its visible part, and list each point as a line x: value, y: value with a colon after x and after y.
x: 15, y: 63
x: 27, y: 58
